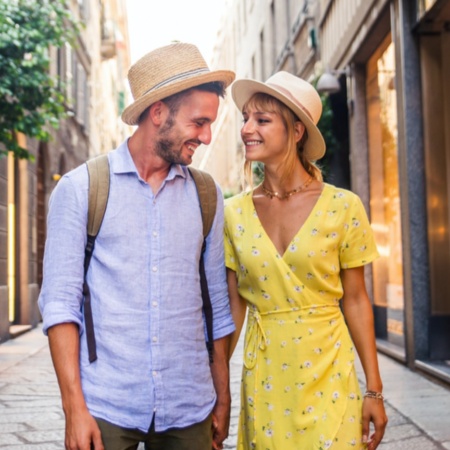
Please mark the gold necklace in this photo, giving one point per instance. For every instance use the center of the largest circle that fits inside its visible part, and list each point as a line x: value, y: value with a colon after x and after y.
x: 286, y: 195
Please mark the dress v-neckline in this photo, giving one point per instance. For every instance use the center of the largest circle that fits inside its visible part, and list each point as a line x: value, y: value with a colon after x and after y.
x: 308, y: 218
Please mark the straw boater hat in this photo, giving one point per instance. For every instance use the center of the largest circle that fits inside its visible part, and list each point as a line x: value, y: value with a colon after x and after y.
x: 167, y: 71
x: 297, y: 94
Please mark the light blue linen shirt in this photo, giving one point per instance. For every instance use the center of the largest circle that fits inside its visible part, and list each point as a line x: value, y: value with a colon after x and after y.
x: 145, y: 292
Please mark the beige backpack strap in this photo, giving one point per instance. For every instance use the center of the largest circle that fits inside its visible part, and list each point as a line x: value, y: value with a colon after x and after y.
x: 98, y: 192
x: 98, y: 169
x: 207, y: 193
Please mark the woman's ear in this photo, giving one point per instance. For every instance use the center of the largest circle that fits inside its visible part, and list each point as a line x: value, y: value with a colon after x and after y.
x: 299, y: 130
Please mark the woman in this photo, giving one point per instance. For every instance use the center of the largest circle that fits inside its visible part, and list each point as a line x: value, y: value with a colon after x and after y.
x: 295, y: 252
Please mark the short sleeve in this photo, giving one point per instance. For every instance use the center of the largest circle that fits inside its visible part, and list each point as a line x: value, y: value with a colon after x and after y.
x: 358, y: 246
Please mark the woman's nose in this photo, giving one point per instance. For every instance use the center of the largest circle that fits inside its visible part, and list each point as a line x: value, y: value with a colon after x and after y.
x: 248, y: 127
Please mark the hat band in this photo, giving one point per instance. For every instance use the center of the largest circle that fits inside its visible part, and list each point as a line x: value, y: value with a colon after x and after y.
x: 177, y: 77
x: 285, y: 92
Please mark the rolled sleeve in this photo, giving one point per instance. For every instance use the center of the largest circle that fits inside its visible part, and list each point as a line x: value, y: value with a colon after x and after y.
x: 61, y: 296
x: 216, y: 274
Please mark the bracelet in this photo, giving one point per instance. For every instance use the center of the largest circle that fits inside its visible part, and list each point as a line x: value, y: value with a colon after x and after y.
x: 374, y: 394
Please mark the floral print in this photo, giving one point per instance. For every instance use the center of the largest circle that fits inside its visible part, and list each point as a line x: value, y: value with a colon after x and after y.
x: 299, y: 387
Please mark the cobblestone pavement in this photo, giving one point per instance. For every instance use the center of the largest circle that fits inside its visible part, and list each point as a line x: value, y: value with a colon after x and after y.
x: 31, y: 417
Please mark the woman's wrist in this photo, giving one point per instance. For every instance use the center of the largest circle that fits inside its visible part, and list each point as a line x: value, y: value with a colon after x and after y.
x: 374, y: 384
x: 376, y: 395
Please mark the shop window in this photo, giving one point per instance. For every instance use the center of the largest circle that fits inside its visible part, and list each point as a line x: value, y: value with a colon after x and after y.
x: 435, y: 72
x: 74, y: 84
x: 384, y: 193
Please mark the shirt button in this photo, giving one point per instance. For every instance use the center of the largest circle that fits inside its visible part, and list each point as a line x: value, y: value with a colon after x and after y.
x: 155, y: 373
x: 154, y: 339
x: 155, y: 233
x: 155, y: 303
x: 155, y: 269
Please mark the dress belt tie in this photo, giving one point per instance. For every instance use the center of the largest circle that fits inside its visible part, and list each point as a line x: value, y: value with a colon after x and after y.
x: 255, y: 340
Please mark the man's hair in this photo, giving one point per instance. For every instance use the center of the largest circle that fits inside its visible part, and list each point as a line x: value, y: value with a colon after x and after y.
x: 174, y: 101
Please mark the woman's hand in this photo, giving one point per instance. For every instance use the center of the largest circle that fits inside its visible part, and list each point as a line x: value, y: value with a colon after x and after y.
x: 373, y: 411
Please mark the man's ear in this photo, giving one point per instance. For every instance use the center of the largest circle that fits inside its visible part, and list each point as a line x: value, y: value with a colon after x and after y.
x: 299, y: 130
x: 158, y: 112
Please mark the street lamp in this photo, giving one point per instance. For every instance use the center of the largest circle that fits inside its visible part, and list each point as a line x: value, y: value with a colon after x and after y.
x: 328, y: 82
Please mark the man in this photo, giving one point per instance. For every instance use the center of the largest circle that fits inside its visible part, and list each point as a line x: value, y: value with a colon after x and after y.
x: 152, y: 381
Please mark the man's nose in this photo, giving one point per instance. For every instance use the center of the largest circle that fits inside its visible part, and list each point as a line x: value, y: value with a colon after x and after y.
x: 205, y: 135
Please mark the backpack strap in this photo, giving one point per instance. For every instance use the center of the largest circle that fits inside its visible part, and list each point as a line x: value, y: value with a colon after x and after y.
x: 98, y: 170
x: 99, y: 178
x: 98, y: 192
x: 207, y: 194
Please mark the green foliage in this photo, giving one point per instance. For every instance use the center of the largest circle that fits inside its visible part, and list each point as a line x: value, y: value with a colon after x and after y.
x: 258, y: 172
x: 228, y: 194
x: 29, y: 95
x: 325, y: 125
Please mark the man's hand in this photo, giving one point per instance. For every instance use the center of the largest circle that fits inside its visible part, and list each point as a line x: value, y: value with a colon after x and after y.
x: 221, y: 378
x: 220, y: 424
x: 82, y: 432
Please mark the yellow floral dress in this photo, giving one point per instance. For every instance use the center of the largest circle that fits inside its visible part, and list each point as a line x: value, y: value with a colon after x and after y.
x: 299, y: 386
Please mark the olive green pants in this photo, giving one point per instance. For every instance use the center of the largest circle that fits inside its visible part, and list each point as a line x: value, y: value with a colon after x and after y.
x: 195, y: 437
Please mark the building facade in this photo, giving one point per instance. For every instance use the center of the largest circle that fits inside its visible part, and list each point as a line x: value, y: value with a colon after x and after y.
x: 391, y: 108
x: 93, y: 79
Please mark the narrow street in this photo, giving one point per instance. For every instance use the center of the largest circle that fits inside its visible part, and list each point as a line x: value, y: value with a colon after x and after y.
x: 31, y: 417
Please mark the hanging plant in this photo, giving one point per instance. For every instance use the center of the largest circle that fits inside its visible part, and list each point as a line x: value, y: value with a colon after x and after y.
x: 29, y: 96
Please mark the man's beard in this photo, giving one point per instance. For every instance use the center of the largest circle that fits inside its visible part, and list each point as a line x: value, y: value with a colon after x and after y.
x: 165, y: 145
x: 165, y: 148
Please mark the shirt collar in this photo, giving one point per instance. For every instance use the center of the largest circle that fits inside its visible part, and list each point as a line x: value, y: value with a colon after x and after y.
x: 122, y: 162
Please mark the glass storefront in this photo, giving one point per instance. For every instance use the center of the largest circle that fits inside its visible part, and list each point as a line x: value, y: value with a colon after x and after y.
x: 384, y: 193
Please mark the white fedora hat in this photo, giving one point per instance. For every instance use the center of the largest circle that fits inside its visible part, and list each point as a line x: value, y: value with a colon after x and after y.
x: 167, y: 71
x: 298, y: 95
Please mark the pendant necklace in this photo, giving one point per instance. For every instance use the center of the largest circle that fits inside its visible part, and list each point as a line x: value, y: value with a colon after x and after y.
x: 286, y: 195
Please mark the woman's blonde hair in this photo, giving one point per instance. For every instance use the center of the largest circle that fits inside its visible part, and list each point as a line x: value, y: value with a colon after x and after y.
x: 294, y: 150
